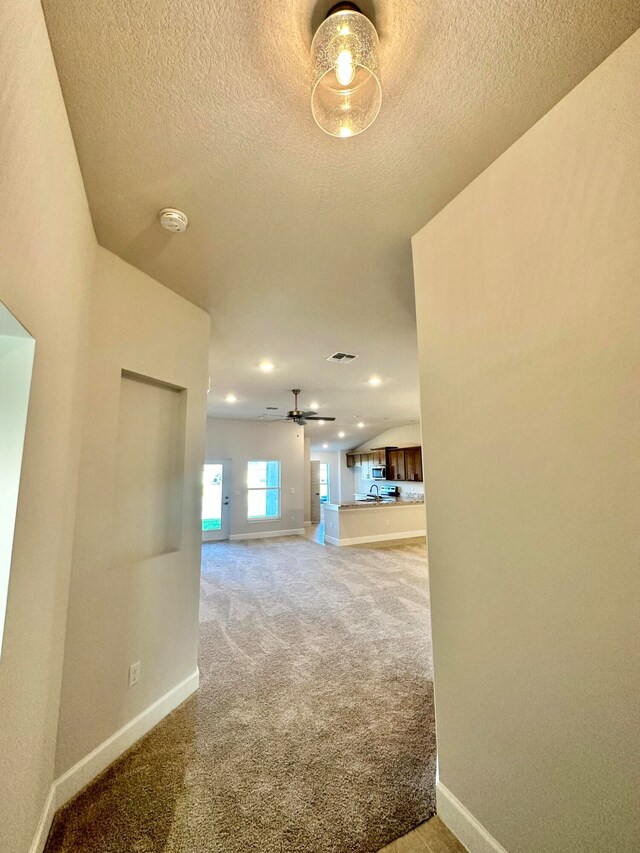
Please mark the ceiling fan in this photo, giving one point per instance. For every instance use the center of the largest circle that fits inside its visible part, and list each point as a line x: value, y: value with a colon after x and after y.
x: 300, y: 417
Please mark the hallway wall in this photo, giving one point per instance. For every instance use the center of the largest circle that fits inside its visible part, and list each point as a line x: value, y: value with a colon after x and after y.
x: 53, y: 277
x: 136, y: 562
x: 528, y: 312
x: 47, y: 250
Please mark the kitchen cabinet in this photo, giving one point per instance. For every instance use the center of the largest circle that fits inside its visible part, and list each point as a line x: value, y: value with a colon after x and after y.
x: 413, y: 464
x: 395, y: 465
x: 402, y: 463
x: 366, y: 461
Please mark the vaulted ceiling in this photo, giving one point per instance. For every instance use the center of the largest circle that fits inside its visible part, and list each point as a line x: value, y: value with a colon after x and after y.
x: 299, y: 243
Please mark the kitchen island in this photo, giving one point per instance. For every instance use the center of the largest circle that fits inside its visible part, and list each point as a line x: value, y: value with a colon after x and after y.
x: 358, y: 522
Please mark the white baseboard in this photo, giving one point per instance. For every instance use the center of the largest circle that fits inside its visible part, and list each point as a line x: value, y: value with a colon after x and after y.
x: 377, y: 537
x: 44, y: 824
x: 265, y: 534
x: 470, y: 832
x: 78, y: 776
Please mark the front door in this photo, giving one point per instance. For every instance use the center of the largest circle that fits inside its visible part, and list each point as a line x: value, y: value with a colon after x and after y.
x: 216, y: 485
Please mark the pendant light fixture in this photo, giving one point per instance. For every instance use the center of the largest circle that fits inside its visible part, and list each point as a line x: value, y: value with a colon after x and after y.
x: 346, y: 94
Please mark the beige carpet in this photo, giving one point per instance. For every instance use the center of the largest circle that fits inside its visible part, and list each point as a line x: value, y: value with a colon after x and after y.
x: 313, y: 729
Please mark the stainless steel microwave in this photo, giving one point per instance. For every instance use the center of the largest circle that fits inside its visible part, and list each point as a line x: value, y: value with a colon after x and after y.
x: 378, y: 472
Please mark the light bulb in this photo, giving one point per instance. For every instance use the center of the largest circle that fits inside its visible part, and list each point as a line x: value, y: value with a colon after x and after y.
x: 345, y: 71
x: 340, y: 435
x: 375, y: 380
x: 345, y: 91
x: 231, y: 398
x: 266, y: 366
x: 324, y: 446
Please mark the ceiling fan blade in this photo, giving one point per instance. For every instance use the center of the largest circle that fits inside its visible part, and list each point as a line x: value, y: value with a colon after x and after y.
x: 308, y: 414
x: 319, y: 418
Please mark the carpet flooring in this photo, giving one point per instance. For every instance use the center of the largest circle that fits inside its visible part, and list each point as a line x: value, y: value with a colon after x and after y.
x: 313, y: 729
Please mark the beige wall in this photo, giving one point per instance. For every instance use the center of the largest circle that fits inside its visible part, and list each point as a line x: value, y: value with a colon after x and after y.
x: 143, y: 607
x: 407, y: 435
x: 242, y: 441
x: 528, y: 303
x: 47, y: 249
x: 51, y: 267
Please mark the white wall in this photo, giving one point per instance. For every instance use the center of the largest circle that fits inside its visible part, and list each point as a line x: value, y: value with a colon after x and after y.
x: 408, y: 435
x: 528, y: 308
x: 47, y: 250
x: 243, y: 441
x: 134, y: 599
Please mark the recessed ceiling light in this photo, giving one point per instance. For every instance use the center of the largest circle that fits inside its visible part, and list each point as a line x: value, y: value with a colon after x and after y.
x: 320, y: 422
x: 360, y: 425
x: 375, y: 380
x: 266, y: 366
x: 324, y: 446
x: 231, y: 398
x: 340, y: 435
x: 314, y: 405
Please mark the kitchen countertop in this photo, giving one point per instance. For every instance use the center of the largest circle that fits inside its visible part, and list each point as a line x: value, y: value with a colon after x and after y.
x: 394, y: 504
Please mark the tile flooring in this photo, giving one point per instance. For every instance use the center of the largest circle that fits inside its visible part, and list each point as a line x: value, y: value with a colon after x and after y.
x: 430, y: 837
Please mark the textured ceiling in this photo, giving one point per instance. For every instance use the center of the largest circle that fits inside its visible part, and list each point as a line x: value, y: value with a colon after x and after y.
x: 298, y: 243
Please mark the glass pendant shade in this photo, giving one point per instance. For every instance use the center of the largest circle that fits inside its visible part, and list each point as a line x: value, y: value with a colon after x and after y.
x: 346, y: 94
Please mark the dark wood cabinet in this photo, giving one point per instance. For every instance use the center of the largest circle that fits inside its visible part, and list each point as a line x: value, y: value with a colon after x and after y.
x: 395, y: 465
x: 402, y: 463
x: 413, y: 464
x: 380, y: 456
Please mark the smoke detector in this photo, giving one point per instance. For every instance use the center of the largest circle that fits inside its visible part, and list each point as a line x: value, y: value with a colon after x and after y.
x: 173, y: 220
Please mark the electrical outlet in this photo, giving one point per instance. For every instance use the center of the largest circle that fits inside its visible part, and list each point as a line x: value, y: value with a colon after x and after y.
x: 134, y: 673
x: 387, y: 522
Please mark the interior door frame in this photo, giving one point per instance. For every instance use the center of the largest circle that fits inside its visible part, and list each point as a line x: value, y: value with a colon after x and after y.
x: 314, y: 485
x: 225, y: 520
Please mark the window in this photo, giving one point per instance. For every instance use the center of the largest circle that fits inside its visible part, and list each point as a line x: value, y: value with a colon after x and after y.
x: 324, y: 482
x: 263, y: 490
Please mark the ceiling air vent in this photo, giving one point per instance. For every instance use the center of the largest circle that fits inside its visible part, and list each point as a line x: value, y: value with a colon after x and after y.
x: 342, y: 357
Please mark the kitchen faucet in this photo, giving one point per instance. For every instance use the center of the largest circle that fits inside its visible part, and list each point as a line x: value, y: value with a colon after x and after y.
x: 376, y: 487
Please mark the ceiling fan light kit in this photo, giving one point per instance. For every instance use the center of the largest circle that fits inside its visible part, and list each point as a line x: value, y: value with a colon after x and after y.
x: 346, y: 94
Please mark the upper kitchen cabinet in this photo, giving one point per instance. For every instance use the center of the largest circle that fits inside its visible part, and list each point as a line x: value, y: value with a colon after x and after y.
x: 402, y: 463
x: 395, y: 465
x: 380, y: 456
x: 366, y: 461
x: 413, y: 464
